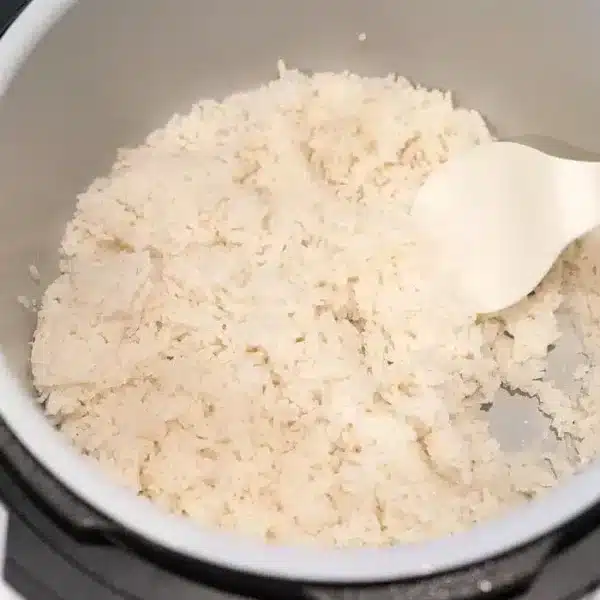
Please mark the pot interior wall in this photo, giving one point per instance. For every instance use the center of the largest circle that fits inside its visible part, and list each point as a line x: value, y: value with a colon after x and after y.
x: 109, y: 72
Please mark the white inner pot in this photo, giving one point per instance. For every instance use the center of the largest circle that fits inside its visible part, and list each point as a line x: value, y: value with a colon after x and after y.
x: 108, y: 73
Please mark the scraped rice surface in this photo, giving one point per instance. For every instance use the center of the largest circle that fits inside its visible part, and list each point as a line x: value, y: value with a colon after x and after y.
x: 245, y: 328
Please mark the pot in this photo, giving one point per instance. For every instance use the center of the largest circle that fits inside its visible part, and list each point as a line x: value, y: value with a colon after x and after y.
x: 80, y: 79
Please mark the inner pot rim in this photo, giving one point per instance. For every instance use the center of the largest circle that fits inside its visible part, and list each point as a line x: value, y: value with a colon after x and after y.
x: 179, y: 534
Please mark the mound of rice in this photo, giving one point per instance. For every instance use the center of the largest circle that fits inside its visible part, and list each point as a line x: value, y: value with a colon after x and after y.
x: 245, y: 331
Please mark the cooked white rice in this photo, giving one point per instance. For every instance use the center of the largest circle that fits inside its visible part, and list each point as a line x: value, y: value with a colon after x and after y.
x: 245, y: 331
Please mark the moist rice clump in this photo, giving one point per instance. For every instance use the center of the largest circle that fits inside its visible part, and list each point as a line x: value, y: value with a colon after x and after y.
x: 245, y: 329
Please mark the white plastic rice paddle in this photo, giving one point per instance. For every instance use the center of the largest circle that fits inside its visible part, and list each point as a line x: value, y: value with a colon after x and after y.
x: 501, y: 214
